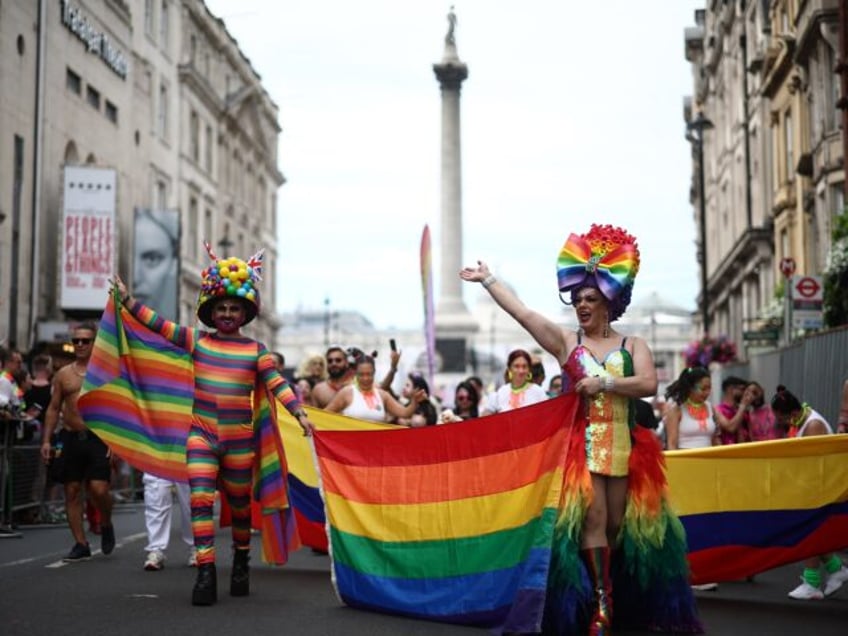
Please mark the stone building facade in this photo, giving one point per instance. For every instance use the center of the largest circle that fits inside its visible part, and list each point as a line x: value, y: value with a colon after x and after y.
x: 159, y: 92
x: 764, y: 76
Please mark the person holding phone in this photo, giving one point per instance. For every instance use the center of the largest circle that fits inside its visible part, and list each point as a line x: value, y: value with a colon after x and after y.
x: 365, y: 401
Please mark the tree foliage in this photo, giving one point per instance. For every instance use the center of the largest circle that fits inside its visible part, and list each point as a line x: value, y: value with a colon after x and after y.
x: 836, y: 275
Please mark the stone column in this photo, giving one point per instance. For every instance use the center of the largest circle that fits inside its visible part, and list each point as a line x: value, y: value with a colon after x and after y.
x: 454, y: 322
x: 451, y: 72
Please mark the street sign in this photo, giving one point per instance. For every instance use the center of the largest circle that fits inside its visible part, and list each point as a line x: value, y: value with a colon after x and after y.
x: 771, y: 334
x: 807, y: 288
x: 787, y: 266
x: 807, y: 302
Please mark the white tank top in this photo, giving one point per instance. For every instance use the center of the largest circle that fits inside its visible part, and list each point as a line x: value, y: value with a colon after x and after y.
x: 359, y: 408
x: 693, y: 433
x: 814, y: 415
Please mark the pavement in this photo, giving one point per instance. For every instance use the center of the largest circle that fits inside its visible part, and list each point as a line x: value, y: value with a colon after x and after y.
x: 41, y: 595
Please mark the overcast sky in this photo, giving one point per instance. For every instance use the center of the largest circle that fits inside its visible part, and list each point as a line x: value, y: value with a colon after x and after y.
x: 571, y: 114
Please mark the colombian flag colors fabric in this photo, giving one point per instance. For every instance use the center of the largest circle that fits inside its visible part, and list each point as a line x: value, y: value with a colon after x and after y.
x: 748, y: 508
x: 303, y: 481
x: 451, y: 523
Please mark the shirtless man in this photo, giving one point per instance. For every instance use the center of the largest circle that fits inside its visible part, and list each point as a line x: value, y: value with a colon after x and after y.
x: 87, y: 458
x: 340, y: 376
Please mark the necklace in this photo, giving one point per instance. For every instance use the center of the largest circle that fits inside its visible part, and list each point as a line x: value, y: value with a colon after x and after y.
x: 372, y: 399
x: 699, y: 412
x: 516, y: 396
x: 798, y: 421
x: 76, y: 369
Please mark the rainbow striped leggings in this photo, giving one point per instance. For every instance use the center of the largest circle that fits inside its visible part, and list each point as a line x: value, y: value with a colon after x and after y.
x: 224, y: 452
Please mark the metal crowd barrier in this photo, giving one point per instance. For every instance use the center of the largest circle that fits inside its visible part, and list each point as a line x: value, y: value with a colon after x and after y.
x: 29, y: 497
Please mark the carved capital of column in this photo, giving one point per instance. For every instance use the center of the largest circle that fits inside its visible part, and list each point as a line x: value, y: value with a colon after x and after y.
x: 451, y: 75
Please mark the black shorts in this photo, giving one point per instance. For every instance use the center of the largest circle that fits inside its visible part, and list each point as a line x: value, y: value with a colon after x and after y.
x: 86, y: 457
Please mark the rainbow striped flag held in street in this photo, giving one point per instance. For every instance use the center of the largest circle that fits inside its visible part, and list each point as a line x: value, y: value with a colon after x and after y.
x: 303, y: 481
x: 138, y: 397
x: 451, y: 523
x: 138, y: 394
x: 751, y: 507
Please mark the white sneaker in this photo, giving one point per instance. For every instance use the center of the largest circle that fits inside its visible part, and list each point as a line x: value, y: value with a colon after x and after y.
x: 835, y: 580
x: 806, y: 592
x: 155, y: 561
x: 192, y: 557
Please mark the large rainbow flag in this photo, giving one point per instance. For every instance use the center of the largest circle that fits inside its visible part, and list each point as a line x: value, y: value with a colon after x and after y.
x: 447, y: 523
x: 454, y: 523
x: 748, y: 508
x: 303, y: 480
x: 138, y: 395
x: 451, y: 523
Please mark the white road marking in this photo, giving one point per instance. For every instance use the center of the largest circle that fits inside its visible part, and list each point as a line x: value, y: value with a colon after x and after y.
x: 60, y: 564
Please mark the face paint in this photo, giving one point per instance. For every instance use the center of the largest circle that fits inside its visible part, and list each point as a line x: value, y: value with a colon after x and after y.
x: 228, y: 316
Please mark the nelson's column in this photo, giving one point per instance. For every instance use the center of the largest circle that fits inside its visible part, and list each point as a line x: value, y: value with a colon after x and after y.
x: 454, y: 323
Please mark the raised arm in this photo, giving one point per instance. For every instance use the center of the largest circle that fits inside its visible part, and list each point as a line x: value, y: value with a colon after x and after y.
x: 550, y: 336
x: 394, y: 358
x: 732, y: 424
x: 183, y: 337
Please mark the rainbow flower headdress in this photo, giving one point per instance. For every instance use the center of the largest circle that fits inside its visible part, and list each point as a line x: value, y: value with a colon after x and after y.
x: 229, y: 277
x: 606, y: 258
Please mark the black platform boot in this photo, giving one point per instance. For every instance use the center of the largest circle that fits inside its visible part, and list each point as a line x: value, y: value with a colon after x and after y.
x: 205, y: 590
x: 240, y: 579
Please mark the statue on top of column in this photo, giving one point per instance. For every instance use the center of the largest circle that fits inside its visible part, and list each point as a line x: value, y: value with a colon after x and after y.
x: 449, y: 37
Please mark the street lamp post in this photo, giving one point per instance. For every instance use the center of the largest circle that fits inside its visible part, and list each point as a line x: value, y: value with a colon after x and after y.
x: 695, y: 136
x: 326, y: 322
x: 225, y: 244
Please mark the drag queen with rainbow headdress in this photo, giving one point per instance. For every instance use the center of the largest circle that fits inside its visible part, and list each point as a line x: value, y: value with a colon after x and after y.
x: 615, y: 529
x: 233, y: 374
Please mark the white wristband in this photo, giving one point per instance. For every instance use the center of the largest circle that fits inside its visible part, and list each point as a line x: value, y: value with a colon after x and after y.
x: 609, y: 383
x: 489, y: 281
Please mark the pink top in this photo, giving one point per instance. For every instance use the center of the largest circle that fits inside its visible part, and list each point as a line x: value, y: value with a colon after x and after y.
x: 762, y: 425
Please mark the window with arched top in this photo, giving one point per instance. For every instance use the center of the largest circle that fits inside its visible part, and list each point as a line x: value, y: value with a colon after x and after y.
x: 71, y: 153
x: 91, y: 159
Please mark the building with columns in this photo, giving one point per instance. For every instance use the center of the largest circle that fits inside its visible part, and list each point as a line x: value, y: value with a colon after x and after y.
x: 156, y: 91
x: 773, y: 170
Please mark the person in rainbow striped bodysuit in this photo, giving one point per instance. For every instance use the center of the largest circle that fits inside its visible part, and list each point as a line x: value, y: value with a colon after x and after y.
x: 614, y: 526
x: 227, y: 368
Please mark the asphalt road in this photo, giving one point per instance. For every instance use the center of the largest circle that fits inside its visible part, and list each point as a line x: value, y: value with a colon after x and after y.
x: 40, y: 595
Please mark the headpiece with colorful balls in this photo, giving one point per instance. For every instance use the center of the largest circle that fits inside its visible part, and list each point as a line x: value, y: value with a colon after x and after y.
x: 605, y: 258
x: 229, y: 278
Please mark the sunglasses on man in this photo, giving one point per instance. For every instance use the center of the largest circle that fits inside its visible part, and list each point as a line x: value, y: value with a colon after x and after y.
x: 81, y: 341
